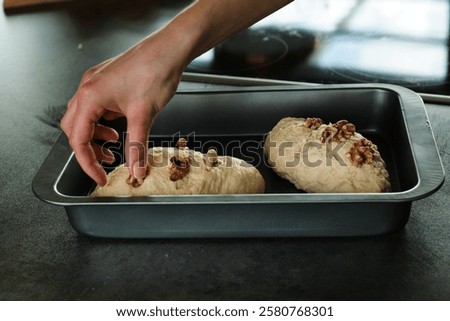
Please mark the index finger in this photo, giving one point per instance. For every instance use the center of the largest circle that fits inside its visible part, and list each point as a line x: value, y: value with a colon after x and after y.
x: 138, y: 129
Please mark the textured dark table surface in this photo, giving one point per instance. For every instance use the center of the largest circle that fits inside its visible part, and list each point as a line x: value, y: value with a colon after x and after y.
x: 43, y: 54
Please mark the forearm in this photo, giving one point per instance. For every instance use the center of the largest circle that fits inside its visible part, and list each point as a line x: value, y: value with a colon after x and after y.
x: 206, y: 23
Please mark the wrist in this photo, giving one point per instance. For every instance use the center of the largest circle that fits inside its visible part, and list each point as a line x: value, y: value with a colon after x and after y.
x: 206, y: 23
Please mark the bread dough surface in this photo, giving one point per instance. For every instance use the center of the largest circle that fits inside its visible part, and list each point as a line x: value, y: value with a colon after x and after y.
x: 229, y: 176
x: 298, y: 153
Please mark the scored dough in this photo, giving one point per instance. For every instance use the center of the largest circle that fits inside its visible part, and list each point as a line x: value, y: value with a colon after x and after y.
x: 325, y: 158
x: 181, y: 171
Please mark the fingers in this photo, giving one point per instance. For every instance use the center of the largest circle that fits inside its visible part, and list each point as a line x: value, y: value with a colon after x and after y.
x: 110, y: 115
x: 67, y: 119
x: 81, y: 128
x: 103, y: 154
x: 136, y: 142
x: 87, y: 158
x: 79, y: 123
x: 84, y: 126
x: 100, y: 132
x: 105, y: 133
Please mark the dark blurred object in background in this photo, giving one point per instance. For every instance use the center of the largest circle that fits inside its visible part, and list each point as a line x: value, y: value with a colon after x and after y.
x: 256, y: 48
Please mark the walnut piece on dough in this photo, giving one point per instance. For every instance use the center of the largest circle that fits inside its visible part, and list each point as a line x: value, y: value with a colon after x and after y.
x: 325, y: 158
x: 181, y: 171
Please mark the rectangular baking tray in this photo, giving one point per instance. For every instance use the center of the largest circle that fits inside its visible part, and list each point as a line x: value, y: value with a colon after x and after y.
x: 236, y: 120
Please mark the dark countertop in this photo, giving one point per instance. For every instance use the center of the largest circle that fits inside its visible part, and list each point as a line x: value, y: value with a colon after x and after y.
x: 44, y: 53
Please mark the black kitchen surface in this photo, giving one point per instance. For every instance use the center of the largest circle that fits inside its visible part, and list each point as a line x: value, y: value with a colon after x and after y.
x: 45, y: 50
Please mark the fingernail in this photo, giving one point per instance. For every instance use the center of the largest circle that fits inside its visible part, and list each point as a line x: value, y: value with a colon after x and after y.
x: 139, y: 171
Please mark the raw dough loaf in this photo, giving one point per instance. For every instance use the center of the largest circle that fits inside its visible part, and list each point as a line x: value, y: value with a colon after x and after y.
x: 180, y: 171
x: 325, y: 158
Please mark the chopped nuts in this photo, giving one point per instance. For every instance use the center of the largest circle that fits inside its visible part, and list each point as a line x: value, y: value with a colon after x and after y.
x: 313, y: 122
x: 212, y: 159
x: 338, y: 132
x: 181, y: 143
x: 136, y: 182
x: 345, y: 129
x: 180, y: 163
x: 179, y: 168
x: 328, y: 134
x: 362, y: 152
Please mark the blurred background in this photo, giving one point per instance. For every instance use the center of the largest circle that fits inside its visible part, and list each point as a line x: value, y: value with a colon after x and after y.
x: 343, y: 41
x: 322, y: 41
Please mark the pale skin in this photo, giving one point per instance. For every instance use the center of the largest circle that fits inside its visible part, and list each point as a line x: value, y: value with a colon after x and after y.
x: 138, y: 83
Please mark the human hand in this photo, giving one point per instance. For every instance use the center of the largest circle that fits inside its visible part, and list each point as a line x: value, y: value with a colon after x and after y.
x: 137, y: 85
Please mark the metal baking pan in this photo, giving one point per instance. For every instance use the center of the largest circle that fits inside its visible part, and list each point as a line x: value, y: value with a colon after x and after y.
x: 236, y: 121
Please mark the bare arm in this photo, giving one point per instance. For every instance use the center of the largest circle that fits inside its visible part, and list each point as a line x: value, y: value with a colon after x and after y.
x: 138, y: 83
x: 214, y: 21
